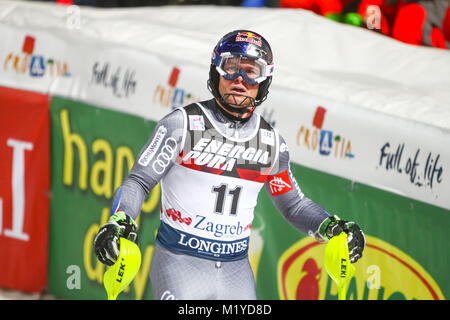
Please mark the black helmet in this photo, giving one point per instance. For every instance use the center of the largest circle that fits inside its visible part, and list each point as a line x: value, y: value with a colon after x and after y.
x: 242, y: 44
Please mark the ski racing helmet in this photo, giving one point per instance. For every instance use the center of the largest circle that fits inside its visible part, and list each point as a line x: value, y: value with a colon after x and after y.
x: 230, y: 50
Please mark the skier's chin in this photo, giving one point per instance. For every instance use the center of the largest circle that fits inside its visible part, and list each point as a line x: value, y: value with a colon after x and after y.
x: 238, y: 100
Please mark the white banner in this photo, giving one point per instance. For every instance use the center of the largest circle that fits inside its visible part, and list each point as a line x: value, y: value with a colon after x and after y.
x: 382, y: 127
x: 390, y: 153
x: 123, y: 79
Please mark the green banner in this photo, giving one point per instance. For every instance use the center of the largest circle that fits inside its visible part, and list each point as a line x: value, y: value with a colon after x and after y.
x: 406, y: 254
x: 92, y: 150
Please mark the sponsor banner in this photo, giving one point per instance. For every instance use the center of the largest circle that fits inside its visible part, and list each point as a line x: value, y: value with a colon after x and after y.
x: 403, y: 258
x: 36, y: 61
x: 140, y: 83
x: 349, y: 141
x: 118, y: 78
x: 25, y: 189
x: 385, y: 273
x: 390, y: 174
x: 92, y: 150
x: 394, y: 154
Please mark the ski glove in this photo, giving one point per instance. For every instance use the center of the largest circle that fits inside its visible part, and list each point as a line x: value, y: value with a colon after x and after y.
x: 333, y: 226
x: 106, y: 242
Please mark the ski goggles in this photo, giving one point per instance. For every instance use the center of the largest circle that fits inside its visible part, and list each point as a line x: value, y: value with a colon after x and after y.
x: 253, y: 71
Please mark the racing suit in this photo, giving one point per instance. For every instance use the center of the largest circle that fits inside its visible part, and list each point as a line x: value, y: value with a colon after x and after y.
x: 211, y: 170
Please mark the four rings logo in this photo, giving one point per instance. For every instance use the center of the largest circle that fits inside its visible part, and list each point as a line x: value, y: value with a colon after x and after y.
x: 163, y: 158
x: 166, y: 154
x: 149, y: 153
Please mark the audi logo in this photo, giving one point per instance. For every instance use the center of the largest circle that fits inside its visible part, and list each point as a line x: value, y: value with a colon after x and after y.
x: 163, y: 158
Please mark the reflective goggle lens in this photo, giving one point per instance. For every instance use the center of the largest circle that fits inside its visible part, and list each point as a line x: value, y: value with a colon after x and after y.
x: 231, y: 65
x: 254, y: 71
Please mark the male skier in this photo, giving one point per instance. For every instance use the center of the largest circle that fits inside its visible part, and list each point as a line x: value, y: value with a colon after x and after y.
x: 212, y: 159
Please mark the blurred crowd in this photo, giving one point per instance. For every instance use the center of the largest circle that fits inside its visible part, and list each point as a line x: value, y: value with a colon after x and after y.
x: 417, y: 22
